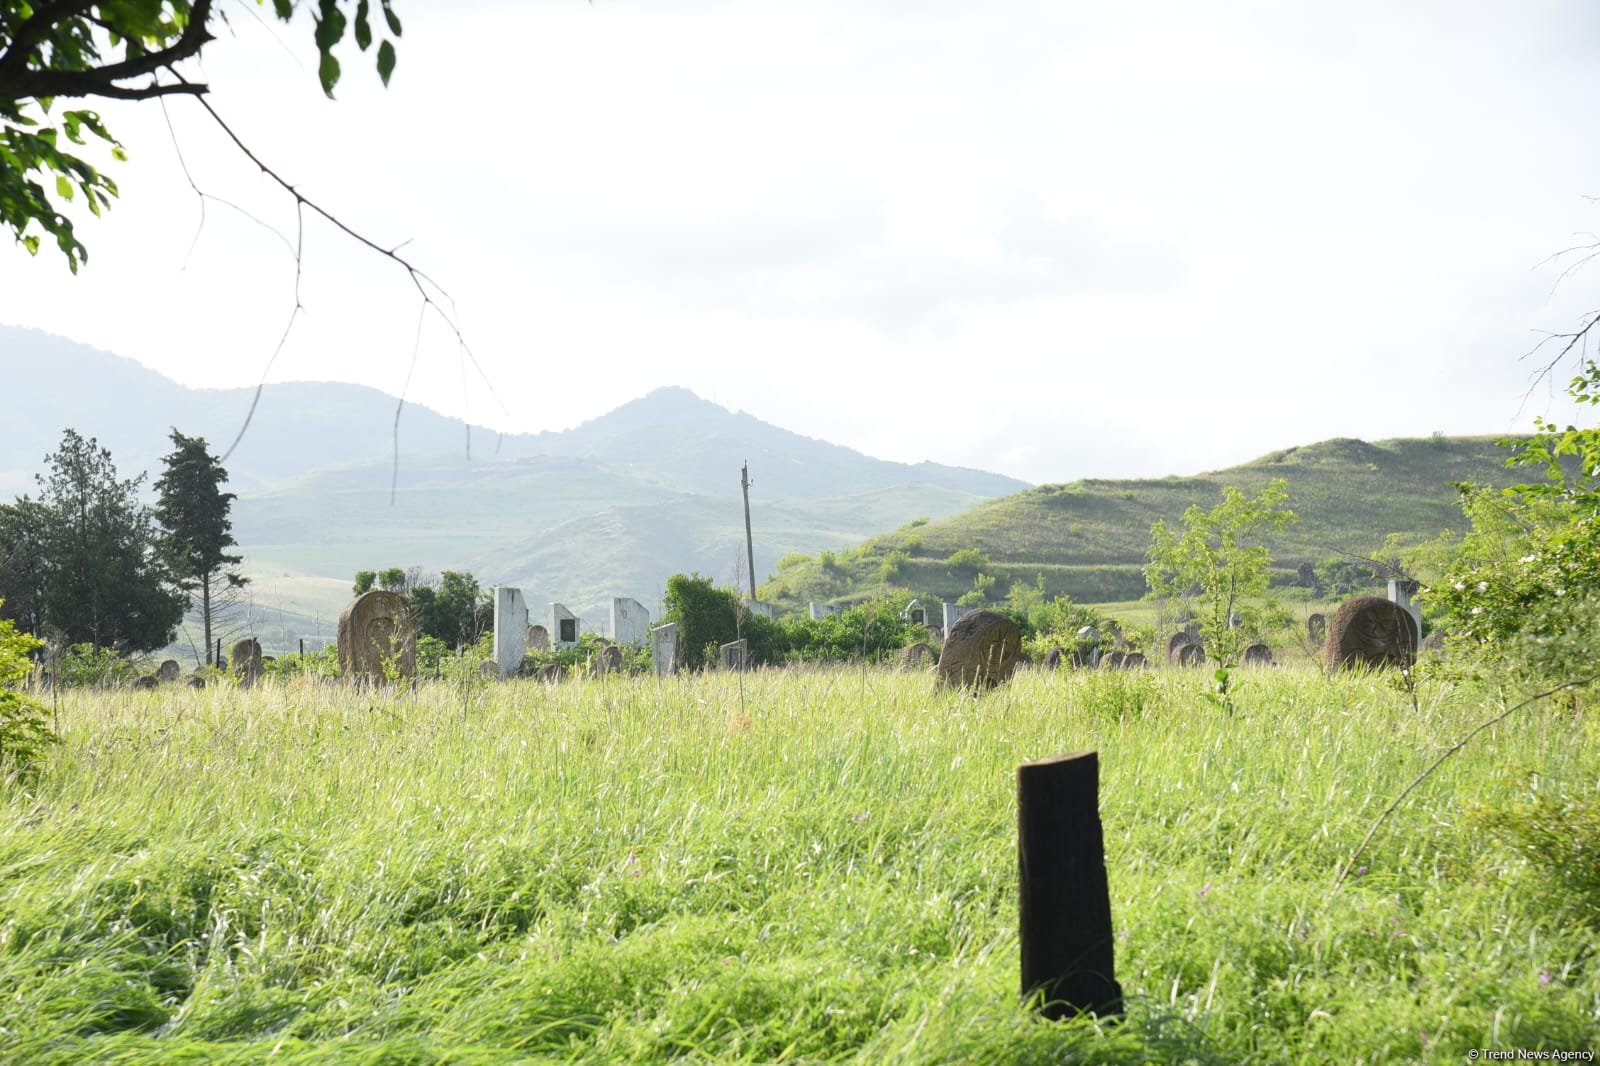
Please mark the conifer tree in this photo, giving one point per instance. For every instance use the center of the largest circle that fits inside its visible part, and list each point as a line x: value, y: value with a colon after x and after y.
x: 196, y: 530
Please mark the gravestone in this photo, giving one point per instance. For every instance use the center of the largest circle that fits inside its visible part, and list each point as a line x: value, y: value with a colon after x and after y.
x: 491, y: 670
x: 196, y: 681
x: 147, y: 681
x: 765, y: 610
x: 1257, y: 655
x: 169, y: 670
x: 1317, y: 630
x: 953, y: 613
x: 916, y: 656
x: 1370, y: 631
x: 1434, y: 642
x: 1403, y: 593
x: 980, y: 650
x: 563, y: 627
x: 510, y: 629
x: 819, y: 611
x: 246, y: 659
x: 1191, y: 655
x: 1112, y: 660
x: 736, y: 655
x: 552, y: 673
x: 1052, y: 659
x: 608, y: 660
x: 915, y: 613
x: 664, y: 649
x: 630, y: 622
x: 376, y: 630
x: 538, y: 638
x: 1175, y: 645
x: 1087, y: 652
x: 1134, y: 660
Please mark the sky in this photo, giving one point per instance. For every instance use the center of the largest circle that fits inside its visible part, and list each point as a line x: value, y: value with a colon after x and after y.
x: 1053, y: 240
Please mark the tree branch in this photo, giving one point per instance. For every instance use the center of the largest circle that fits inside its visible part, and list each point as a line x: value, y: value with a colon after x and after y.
x: 17, y: 81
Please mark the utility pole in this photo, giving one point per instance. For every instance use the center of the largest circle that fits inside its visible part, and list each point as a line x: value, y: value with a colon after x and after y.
x: 749, y: 542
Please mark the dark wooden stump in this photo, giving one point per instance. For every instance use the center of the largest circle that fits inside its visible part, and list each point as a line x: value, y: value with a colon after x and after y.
x: 1064, y: 901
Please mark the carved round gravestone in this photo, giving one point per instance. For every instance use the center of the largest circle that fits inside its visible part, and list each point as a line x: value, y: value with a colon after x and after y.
x: 1317, y: 630
x: 1112, y: 660
x: 1434, y: 642
x: 552, y: 673
x: 1134, y: 660
x: 980, y: 650
x: 608, y: 659
x: 1052, y: 659
x: 169, y: 670
x: 1176, y: 643
x: 147, y: 681
x: 377, y: 635
x: 538, y: 638
x: 916, y: 656
x: 246, y: 659
x: 196, y: 681
x: 491, y: 670
x: 1191, y: 655
x: 1370, y: 631
x: 1257, y: 655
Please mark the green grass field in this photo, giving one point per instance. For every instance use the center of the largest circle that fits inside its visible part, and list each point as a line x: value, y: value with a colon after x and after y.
x: 818, y: 866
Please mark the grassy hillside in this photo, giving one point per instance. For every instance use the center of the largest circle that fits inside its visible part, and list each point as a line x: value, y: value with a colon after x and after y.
x: 789, y: 867
x: 1088, y: 539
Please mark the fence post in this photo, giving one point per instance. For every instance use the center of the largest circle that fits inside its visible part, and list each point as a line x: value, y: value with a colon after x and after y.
x: 1064, y: 901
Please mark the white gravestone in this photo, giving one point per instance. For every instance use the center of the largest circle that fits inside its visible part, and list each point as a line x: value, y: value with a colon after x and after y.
x: 664, y: 649
x: 630, y: 622
x: 510, y: 629
x: 563, y: 627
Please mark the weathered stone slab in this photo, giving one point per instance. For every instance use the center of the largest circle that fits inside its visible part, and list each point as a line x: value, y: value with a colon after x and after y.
x: 765, y: 610
x: 510, y: 629
x: 246, y: 659
x: 630, y: 622
x: 980, y: 650
x: 1370, y: 631
x: 1257, y: 655
x: 735, y: 654
x: 563, y: 627
x: 376, y: 630
x: 538, y: 638
x: 819, y: 611
x: 664, y: 649
x: 916, y: 656
x: 953, y: 613
x: 169, y: 670
x: 1317, y: 630
x: 608, y: 660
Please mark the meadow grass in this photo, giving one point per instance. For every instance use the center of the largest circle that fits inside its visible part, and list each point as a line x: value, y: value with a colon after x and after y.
x: 820, y: 869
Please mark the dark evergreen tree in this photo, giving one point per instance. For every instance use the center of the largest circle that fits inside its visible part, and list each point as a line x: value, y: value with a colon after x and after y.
x: 104, y: 583
x: 22, y: 563
x: 196, y: 530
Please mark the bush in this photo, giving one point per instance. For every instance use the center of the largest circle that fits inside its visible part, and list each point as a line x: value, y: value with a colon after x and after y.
x: 84, y: 664
x: 1561, y: 838
x: 25, y: 733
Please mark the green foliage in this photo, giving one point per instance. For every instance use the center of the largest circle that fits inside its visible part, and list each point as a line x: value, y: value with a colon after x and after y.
x: 1569, y: 456
x: 705, y: 615
x: 25, y: 732
x: 1221, y: 561
x: 1560, y: 837
x: 69, y: 50
x: 966, y: 562
x: 23, y: 531
x: 196, y: 531
x: 452, y: 608
x: 872, y: 630
x: 893, y: 564
x: 103, y: 581
x: 86, y: 665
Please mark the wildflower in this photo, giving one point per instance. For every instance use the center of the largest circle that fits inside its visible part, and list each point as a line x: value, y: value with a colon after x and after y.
x: 1545, y: 978
x: 1483, y: 586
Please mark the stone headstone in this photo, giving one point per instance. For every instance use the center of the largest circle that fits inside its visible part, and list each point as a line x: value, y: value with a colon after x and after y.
x: 1317, y: 630
x: 563, y: 627
x: 1370, y: 631
x: 819, y: 611
x: 736, y: 655
x: 916, y: 656
x: 1257, y: 655
x: 169, y: 670
x: 1134, y: 660
x: 765, y: 610
x: 1191, y: 655
x: 196, y: 681
x: 552, y: 673
x: 953, y: 613
x: 376, y: 630
x: 510, y: 629
x: 1434, y: 642
x: 147, y: 681
x: 608, y: 660
x: 980, y: 650
x: 630, y: 622
x: 491, y: 670
x: 1112, y: 660
x: 1403, y: 593
x: 1052, y: 659
x: 664, y: 649
x: 246, y: 659
x: 538, y: 638
x: 1175, y: 645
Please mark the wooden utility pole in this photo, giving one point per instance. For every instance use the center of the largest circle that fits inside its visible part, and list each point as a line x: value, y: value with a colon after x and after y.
x: 749, y: 541
x: 1064, y: 901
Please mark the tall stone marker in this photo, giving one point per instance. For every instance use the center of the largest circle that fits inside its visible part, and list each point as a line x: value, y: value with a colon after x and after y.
x: 630, y: 622
x: 819, y: 611
x: 376, y: 631
x: 1063, y: 895
x: 1403, y: 594
x: 246, y: 659
x: 538, y: 638
x: 664, y: 649
x: 563, y: 627
x: 953, y: 613
x: 510, y: 629
x: 736, y: 655
x: 765, y: 610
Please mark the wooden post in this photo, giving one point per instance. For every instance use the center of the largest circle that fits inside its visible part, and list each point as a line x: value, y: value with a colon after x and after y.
x: 302, y: 647
x: 216, y: 660
x: 1064, y: 902
x: 749, y: 542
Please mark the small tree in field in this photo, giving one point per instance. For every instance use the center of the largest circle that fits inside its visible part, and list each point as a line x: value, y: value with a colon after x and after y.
x: 196, y: 530
x: 1218, y: 560
x: 24, y: 733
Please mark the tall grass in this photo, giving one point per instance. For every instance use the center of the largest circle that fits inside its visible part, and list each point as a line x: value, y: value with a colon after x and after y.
x: 623, y: 870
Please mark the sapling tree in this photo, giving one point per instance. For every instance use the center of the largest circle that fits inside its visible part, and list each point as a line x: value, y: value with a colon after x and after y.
x: 196, y: 532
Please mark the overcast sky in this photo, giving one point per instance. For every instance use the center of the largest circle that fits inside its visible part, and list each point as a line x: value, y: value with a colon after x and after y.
x: 1054, y: 240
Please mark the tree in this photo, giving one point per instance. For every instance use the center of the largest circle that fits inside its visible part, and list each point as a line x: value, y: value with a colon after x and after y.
x: 22, y: 533
x: 24, y: 730
x: 196, y: 532
x: 126, y: 51
x: 1219, y: 560
x: 456, y: 610
x: 103, y: 583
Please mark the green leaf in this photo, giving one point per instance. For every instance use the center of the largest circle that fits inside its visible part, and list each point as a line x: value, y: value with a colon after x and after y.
x: 391, y: 18
x: 328, y: 71
x: 63, y: 187
x: 363, y: 29
x: 31, y: 242
x: 385, y: 61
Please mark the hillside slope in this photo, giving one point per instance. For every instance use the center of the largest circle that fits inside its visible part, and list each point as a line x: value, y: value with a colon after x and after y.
x: 1088, y: 539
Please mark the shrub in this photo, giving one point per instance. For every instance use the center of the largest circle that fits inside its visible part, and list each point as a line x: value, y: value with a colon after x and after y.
x: 25, y: 733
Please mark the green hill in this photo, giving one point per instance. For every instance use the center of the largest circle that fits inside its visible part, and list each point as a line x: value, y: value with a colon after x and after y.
x: 1088, y: 538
